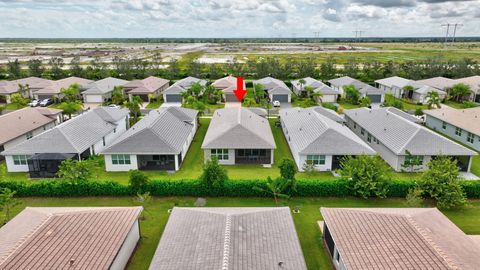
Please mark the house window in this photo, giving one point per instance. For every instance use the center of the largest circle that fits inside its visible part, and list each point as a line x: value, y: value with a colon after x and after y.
x: 121, y: 159
x: 20, y: 159
x: 316, y: 159
x: 29, y: 135
x: 220, y: 154
x: 337, y: 257
x: 362, y: 131
x: 470, y: 137
x: 103, y: 139
x: 369, y: 137
x: 355, y: 125
x: 458, y: 131
x: 444, y: 125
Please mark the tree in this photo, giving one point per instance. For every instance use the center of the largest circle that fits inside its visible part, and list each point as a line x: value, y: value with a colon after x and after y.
x: 352, y: 94
x: 75, y: 170
x: 367, y: 175
x: 433, y: 99
x: 2, y: 108
x: 173, y: 69
x: 412, y: 163
x: 75, y: 68
x: 3, y: 172
x: 288, y: 169
x: 460, y: 90
x: 259, y: 92
x: 117, y: 95
x: 308, y: 167
x: 56, y: 65
x: 408, y: 91
x: 365, y: 101
x: 134, y: 106
x: 328, y: 69
x: 70, y: 108
x: 440, y: 182
x: 18, y: 100
x: 71, y: 93
x: 7, y: 202
x: 302, y: 82
x: 35, y: 67
x: 14, y: 69
x: 276, y: 188
x: 144, y: 199
x: 137, y: 180
x: 214, y: 175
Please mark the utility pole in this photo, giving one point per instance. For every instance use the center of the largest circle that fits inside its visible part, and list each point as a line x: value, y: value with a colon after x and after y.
x: 448, y: 34
x: 358, y: 33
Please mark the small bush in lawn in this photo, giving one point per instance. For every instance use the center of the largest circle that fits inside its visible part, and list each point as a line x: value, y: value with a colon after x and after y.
x: 214, y: 176
x: 138, y: 180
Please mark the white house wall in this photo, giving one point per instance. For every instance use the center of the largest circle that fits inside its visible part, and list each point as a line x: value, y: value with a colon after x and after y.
x: 94, y: 98
x: 15, y: 168
x: 321, y: 168
x: 329, y: 98
x: 231, y: 157
x: 126, y: 251
x: 110, y: 167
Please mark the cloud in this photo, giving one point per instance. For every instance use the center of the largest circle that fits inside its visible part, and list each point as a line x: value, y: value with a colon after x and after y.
x: 331, y: 15
x: 387, y: 3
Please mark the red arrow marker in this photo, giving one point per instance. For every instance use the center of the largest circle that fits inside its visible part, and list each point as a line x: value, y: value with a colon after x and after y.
x: 240, y: 91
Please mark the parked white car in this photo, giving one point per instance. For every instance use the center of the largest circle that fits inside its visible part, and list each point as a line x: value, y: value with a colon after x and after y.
x: 276, y: 103
x: 46, y: 102
x: 34, y: 103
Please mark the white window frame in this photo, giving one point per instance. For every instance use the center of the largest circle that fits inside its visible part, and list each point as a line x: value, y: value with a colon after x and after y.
x: 444, y: 125
x: 121, y: 159
x: 220, y: 154
x: 20, y: 159
x: 458, y: 131
x: 470, y: 137
x: 29, y: 135
x: 316, y: 159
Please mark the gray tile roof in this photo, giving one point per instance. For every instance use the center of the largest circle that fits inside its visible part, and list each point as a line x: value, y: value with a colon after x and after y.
x: 399, y: 238
x: 182, y: 85
x: 394, y: 81
x: 238, y: 128
x: 103, y: 86
x: 47, y: 238
x: 73, y: 136
x: 441, y: 83
x: 317, y: 85
x: 310, y: 132
x: 273, y: 86
x: 333, y: 115
x: 426, y: 89
x: 399, y: 134
x: 230, y: 239
x: 360, y: 86
x: 162, y: 131
x: 405, y: 115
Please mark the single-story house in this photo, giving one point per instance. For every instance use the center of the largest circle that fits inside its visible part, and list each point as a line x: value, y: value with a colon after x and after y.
x: 85, y: 135
x: 440, y: 83
x: 462, y: 125
x: 420, y: 94
x: 174, y: 92
x: 45, y: 238
x: 233, y: 238
x: 396, y: 238
x: 474, y: 83
x: 276, y: 89
x: 101, y: 91
x: 317, y: 139
x: 328, y: 93
x: 239, y: 136
x: 397, y: 139
x: 396, y: 86
x: 52, y: 89
x: 149, y: 87
x: 21, y: 125
x: 30, y: 84
x: 374, y: 94
x: 393, y: 85
x: 159, y: 141
x: 228, y: 85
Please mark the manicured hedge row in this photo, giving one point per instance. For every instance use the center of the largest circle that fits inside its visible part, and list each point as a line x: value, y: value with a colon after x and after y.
x: 233, y: 188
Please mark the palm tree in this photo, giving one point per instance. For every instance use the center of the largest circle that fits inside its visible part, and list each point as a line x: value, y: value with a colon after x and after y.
x: 134, y: 106
x: 70, y: 108
x: 433, y: 99
x: 276, y: 188
x: 408, y: 89
x: 302, y: 82
x: 460, y: 90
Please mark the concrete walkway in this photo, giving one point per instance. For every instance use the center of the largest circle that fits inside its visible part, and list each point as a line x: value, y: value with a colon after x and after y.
x: 233, y: 105
x: 469, y: 176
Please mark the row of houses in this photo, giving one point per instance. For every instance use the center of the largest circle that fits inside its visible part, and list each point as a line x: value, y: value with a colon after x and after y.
x: 235, y: 238
x: 160, y: 140
x: 396, y: 86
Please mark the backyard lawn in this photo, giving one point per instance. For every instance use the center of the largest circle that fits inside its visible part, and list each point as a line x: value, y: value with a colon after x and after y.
x: 154, y: 104
x: 407, y: 105
x: 156, y: 215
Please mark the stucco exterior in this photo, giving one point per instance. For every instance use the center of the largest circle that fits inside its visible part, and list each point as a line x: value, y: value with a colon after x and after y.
x: 127, y: 249
x: 231, y: 156
x: 23, y: 137
x: 449, y: 131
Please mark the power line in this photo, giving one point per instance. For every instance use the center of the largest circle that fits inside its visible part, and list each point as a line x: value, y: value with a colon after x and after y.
x: 448, y: 34
x: 358, y: 33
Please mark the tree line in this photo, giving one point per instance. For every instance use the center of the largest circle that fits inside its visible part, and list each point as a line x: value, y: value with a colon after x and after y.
x: 136, y: 68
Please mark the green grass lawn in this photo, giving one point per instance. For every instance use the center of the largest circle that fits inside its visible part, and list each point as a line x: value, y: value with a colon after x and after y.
x: 156, y: 216
x: 476, y: 165
x: 155, y: 104
x: 347, y: 106
x: 11, y: 107
x: 407, y: 105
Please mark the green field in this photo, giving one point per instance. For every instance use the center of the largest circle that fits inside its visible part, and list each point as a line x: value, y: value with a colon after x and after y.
x: 156, y: 216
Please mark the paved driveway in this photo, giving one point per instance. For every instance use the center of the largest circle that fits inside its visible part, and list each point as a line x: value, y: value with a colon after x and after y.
x: 229, y: 104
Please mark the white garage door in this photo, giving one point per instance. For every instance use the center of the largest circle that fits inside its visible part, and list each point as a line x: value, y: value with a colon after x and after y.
x: 93, y: 99
x: 329, y: 98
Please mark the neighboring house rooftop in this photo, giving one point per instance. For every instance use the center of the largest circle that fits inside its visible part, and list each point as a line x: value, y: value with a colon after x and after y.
x: 333, y: 115
x: 10, y: 87
x: 394, y: 81
x: 73, y: 136
x: 466, y: 119
x: 162, y: 131
x: 65, y: 237
x: 441, y: 83
x: 103, y: 86
x: 359, y: 85
x: 273, y: 86
x: 55, y: 87
x: 400, y: 238
x: 20, y: 122
x: 146, y: 86
x: 225, y: 82
x: 310, y: 132
x: 183, y: 85
x: 473, y: 82
x: 318, y: 86
x: 229, y: 238
x: 405, y: 115
x: 425, y: 89
x: 401, y: 135
x: 238, y: 128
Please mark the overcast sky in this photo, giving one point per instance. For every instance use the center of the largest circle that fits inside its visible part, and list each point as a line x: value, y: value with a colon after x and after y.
x: 235, y: 18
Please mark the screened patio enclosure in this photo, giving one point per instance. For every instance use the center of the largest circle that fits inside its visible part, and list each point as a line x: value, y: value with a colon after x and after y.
x: 157, y: 162
x: 46, y: 165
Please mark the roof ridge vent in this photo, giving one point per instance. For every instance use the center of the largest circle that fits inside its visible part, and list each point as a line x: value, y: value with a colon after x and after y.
x: 226, y: 242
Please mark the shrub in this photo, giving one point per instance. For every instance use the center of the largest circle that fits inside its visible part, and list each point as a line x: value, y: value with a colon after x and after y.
x: 330, y: 106
x: 75, y: 170
x: 138, y: 180
x: 213, y: 176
